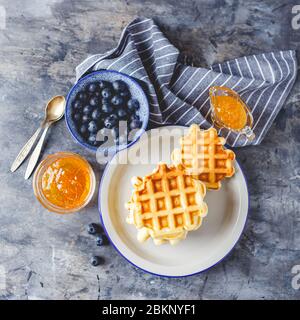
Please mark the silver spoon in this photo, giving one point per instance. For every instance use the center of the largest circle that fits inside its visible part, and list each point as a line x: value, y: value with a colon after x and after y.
x: 55, y: 110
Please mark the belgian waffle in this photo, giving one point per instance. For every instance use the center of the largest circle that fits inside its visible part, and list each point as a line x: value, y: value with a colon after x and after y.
x: 166, y: 204
x: 203, y: 156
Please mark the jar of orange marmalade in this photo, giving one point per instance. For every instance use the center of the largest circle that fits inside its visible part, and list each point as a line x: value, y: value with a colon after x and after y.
x: 64, y: 182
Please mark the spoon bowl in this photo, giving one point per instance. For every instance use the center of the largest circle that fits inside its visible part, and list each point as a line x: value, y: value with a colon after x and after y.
x: 55, y: 109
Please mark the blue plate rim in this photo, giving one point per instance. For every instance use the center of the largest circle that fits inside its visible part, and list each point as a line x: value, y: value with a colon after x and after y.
x: 163, y: 275
x: 140, y: 132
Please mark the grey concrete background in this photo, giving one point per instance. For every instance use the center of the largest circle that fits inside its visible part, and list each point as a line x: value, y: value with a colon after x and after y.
x: 45, y: 255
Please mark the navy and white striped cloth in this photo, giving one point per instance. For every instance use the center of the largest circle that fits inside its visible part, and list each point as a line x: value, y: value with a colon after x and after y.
x: 178, y: 93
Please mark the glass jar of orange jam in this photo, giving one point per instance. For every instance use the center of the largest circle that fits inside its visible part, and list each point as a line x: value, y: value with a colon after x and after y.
x: 64, y: 182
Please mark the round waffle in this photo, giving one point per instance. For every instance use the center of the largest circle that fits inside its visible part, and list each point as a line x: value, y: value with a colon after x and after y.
x: 166, y: 204
x: 203, y: 156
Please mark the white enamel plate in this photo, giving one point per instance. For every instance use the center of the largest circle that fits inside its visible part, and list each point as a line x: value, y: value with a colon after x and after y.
x: 203, y: 248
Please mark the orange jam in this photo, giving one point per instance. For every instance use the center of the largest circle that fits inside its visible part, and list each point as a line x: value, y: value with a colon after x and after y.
x: 66, y: 181
x: 230, y: 111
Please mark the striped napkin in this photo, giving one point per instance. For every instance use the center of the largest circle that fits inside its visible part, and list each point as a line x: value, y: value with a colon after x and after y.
x: 179, y: 93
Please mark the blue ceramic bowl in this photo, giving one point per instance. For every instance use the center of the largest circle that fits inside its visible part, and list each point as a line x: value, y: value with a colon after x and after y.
x: 107, y: 75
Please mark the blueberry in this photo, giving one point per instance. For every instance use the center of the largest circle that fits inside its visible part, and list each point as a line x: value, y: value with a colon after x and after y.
x: 96, y: 260
x: 125, y: 94
x: 122, y: 114
x: 100, y: 240
x: 117, y: 100
x: 77, y: 117
x: 100, y: 122
x: 135, y: 124
x: 107, y: 108
x: 93, y: 228
x: 106, y: 93
x: 87, y: 109
x: 77, y: 104
x: 94, y: 101
x: 96, y: 115
x: 105, y: 100
x: 110, y: 122
x: 102, y: 84
x: 113, y: 117
x: 82, y: 96
x: 86, y: 118
x: 83, y: 130
x: 133, y: 104
x: 92, y: 127
x: 119, y: 85
x: 92, y: 87
x: 97, y: 94
x: 92, y: 139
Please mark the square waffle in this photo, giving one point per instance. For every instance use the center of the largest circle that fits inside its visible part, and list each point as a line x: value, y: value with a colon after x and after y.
x: 203, y: 156
x: 166, y: 204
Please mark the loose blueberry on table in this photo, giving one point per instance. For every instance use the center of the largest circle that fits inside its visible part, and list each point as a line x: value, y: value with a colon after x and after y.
x: 100, y: 240
x: 96, y: 261
x: 93, y: 228
x: 102, y: 104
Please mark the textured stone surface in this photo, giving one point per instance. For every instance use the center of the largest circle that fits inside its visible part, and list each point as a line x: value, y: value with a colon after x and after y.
x: 44, y: 255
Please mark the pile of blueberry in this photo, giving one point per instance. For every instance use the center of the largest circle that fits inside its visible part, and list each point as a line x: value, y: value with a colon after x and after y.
x: 102, y: 105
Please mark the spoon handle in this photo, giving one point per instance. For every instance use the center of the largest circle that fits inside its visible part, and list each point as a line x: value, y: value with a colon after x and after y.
x: 25, y: 150
x: 36, y: 153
